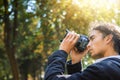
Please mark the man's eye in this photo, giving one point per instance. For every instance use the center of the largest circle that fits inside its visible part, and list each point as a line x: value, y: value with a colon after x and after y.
x: 92, y: 38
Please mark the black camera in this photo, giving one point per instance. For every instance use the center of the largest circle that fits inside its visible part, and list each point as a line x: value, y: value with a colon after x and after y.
x: 81, y: 43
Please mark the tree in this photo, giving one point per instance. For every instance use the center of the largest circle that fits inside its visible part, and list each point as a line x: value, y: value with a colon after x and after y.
x: 32, y: 30
x: 10, y: 36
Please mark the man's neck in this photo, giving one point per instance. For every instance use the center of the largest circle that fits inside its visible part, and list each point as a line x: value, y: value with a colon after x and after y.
x: 110, y: 52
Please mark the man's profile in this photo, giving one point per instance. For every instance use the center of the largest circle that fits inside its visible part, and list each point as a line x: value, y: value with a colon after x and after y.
x: 104, y: 46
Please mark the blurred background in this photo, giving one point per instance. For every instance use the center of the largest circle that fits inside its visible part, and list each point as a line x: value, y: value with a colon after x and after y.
x: 30, y: 30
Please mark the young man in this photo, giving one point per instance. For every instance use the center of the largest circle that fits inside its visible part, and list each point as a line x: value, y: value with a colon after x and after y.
x: 104, y: 45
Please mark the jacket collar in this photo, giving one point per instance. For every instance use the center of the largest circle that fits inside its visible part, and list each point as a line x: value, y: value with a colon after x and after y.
x: 101, y: 59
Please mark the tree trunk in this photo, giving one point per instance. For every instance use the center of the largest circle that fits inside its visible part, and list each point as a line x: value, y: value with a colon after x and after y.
x: 8, y: 42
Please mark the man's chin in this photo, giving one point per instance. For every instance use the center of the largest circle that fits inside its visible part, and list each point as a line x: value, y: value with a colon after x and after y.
x: 95, y: 56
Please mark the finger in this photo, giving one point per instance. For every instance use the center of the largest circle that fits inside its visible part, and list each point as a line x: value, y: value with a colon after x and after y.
x: 73, y: 36
x: 69, y: 34
x: 76, y: 38
x: 75, y: 49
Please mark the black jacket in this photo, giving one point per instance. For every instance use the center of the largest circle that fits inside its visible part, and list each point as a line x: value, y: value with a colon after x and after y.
x: 108, y: 69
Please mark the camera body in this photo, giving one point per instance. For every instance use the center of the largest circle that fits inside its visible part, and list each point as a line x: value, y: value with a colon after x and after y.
x: 81, y: 43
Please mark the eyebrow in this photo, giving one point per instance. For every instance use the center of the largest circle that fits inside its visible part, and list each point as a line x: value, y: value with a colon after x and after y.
x: 91, y: 36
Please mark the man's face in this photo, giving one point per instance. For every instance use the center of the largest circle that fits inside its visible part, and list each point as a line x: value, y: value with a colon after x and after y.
x: 96, y: 45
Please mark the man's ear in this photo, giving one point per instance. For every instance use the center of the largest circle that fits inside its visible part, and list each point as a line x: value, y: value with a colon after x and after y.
x: 109, y: 38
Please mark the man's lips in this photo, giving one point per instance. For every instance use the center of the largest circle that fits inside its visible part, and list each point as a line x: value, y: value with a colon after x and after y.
x: 90, y: 51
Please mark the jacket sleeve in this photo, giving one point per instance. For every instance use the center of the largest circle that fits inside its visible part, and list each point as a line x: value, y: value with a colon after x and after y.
x: 73, y: 68
x: 56, y: 67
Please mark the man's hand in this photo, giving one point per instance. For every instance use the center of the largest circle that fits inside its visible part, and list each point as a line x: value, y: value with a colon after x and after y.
x: 69, y: 41
x: 76, y: 56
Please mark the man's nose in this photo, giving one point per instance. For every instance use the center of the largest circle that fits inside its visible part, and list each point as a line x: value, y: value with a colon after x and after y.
x: 88, y: 46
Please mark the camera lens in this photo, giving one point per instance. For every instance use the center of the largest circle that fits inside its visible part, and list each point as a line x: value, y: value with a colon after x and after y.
x: 82, y: 43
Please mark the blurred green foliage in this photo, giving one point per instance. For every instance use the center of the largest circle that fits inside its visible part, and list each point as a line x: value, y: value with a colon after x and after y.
x: 41, y: 25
